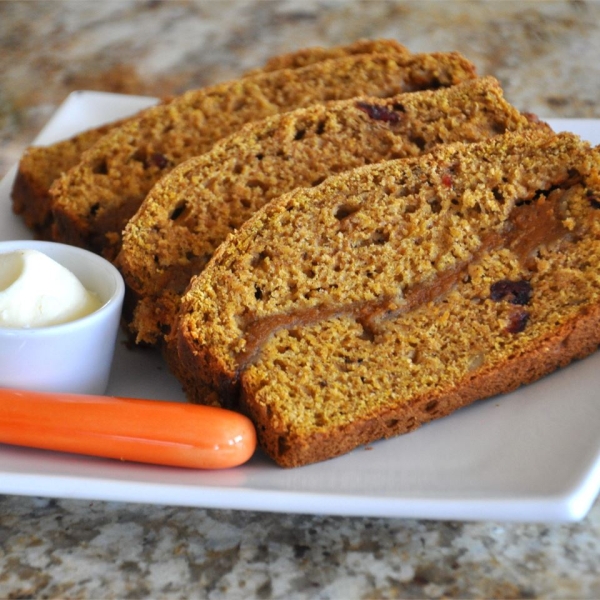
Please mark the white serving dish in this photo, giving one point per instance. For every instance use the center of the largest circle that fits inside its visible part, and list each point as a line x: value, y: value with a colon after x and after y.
x: 532, y: 455
x: 76, y: 356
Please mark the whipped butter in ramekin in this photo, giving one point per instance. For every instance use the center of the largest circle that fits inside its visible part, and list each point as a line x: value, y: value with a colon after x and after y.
x: 37, y: 291
x: 61, y: 317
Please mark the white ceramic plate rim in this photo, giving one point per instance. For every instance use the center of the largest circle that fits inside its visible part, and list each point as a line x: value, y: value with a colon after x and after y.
x: 533, y: 455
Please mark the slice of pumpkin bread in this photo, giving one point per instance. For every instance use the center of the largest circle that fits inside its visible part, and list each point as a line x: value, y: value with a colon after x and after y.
x: 39, y: 167
x: 315, y: 54
x: 192, y: 210
x: 398, y: 292
x: 94, y: 200
x: 42, y: 165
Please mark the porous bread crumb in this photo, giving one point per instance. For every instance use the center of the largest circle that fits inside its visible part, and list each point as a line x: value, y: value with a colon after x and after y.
x: 94, y: 200
x: 42, y: 165
x: 191, y: 211
x: 313, y: 54
x: 349, y: 312
x: 39, y: 167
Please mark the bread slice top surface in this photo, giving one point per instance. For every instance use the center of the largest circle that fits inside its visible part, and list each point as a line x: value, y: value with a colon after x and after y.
x: 193, y: 209
x: 376, y: 240
x: 94, y: 200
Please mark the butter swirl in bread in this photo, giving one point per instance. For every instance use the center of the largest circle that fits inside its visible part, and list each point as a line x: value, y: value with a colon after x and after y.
x: 396, y: 293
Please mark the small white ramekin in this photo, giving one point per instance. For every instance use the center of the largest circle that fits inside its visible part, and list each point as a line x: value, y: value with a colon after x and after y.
x: 72, y: 357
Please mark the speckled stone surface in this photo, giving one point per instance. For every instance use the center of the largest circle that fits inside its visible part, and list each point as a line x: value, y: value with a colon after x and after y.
x: 547, y: 56
x: 67, y: 549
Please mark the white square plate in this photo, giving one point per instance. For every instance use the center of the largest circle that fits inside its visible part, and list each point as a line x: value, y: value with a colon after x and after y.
x: 533, y: 455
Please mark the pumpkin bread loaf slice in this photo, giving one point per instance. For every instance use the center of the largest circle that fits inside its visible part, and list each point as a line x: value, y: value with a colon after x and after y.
x: 396, y: 293
x: 192, y: 210
x: 94, y: 200
x: 314, y: 54
x: 39, y: 167
x: 42, y: 165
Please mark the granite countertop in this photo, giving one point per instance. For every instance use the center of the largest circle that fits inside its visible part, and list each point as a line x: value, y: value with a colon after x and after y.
x: 546, y: 56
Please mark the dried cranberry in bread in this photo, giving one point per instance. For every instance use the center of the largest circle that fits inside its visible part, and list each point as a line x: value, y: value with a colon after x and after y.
x: 42, y: 165
x: 190, y: 211
x: 94, y: 200
x: 396, y: 293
